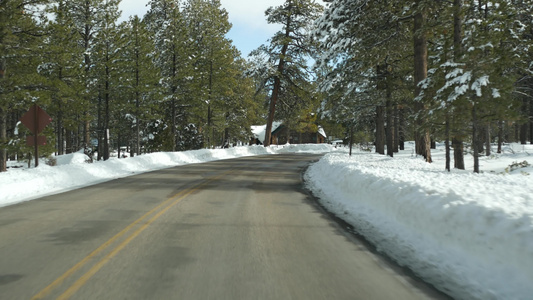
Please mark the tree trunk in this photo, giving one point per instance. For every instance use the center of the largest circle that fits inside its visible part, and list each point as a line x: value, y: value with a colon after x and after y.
x: 351, y: 140
x: 59, y: 122
x: 380, y: 130
x: 137, y: 108
x: 457, y: 30
x: 458, y: 153
x: 500, y: 136
x: 487, y: 140
x: 68, y: 141
x: 396, y: 129
x: 480, y: 141
x: 420, y: 73
x: 59, y: 132
x: 447, y: 142
x: 474, y: 139
x: 288, y: 134
x: 173, y: 103
x: 119, y: 153
x: 525, y: 126
x: 100, y: 128
x: 106, y: 114
x: 457, y: 141
x: 516, y: 133
x: 87, y: 130
x: 523, y: 133
x: 390, y: 127
x: 3, y: 126
x: 3, y: 140
x: 531, y: 118
x: 277, y: 86
x: 210, y: 133
x: 401, y: 128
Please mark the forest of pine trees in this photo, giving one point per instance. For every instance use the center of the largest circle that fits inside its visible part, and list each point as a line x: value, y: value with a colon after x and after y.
x: 168, y: 81
x: 458, y: 72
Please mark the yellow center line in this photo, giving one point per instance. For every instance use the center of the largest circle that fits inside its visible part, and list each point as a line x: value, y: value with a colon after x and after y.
x: 83, y: 279
x: 80, y: 282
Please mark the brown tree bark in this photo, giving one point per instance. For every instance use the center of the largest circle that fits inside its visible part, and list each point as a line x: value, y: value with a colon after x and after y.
x: 457, y: 140
x: 277, y: 84
x: 524, y: 126
x: 3, y: 127
x: 530, y: 115
x: 3, y: 140
x: 390, y: 125
x: 420, y: 73
x: 106, y: 112
x: 275, y: 92
x: 474, y: 139
x: 500, y: 136
x: 487, y: 140
x: 396, y: 129
x: 380, y: 130
x: 447, y: 142
x: 401, y: 128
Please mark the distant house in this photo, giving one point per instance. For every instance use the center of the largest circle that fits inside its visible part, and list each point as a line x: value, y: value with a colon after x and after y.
x: 281, y: 135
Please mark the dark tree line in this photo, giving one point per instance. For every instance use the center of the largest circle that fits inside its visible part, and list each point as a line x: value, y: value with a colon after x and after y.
x: 168, y: 81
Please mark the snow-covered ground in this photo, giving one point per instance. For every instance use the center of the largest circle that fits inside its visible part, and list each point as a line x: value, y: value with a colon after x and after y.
x: 71, y: 172
x: 470, y: 235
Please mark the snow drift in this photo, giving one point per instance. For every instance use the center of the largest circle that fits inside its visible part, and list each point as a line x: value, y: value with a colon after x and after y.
x: 471, y: 235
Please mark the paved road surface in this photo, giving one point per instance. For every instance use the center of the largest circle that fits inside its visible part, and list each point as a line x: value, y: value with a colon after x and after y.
x: 233, y: 229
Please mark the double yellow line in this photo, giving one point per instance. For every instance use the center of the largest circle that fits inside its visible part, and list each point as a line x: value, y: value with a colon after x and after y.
x: 163, y: 208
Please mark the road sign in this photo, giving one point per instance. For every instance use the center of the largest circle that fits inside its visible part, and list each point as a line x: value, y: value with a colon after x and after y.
x: 41, y: 140
x: 36, y: 120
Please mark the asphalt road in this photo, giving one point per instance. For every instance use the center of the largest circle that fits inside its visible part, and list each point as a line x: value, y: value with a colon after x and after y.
x: 233, y: 229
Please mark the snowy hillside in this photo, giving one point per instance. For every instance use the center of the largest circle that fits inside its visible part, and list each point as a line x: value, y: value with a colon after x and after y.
x: 471, y: 235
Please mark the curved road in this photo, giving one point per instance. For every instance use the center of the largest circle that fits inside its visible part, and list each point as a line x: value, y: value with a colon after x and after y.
x: 233, y: 229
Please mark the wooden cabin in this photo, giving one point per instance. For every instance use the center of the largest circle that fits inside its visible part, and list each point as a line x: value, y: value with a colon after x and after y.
x: 281, y: 134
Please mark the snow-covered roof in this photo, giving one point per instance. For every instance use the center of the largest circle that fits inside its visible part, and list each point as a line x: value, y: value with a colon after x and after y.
x: 260, y: 130
x: 322, y: 132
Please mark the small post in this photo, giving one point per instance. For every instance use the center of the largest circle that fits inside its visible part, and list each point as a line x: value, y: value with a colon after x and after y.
x: 36, y: 127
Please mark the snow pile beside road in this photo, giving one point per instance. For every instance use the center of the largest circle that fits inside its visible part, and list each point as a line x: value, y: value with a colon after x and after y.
x: 305, y: 148
x: 471, y: 235
x: 72, y: 171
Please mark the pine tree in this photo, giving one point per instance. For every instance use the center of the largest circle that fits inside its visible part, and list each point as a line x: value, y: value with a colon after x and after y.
x: 369, y: 45
x: 208, y: 25
x: 289, y: 48
x: 88, y: 17
x: 175, y: 61
x: 20, y: 84
x: 138, y: 78
x: 105, y: 72
x: 60, y: 67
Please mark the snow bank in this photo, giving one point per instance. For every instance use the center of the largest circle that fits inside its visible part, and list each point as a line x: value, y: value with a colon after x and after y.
x: 72, y: 171
x: 305, y: 148
x: 471, y: 235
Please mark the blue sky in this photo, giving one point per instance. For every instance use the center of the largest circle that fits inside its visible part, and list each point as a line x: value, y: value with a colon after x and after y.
x: 250, y: 28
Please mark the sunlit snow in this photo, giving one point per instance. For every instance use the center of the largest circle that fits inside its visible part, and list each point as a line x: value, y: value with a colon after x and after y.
x: 470, y: 235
